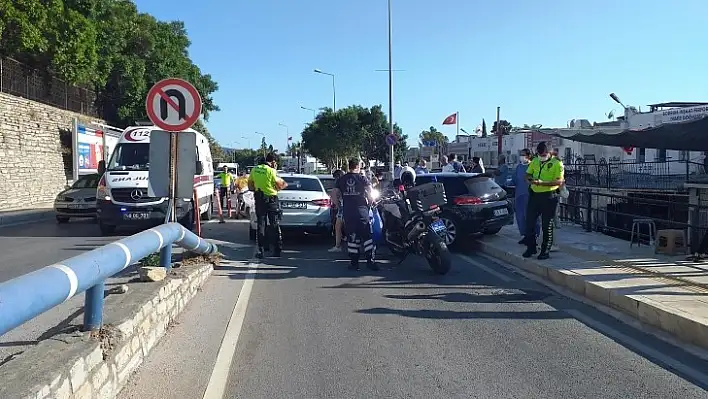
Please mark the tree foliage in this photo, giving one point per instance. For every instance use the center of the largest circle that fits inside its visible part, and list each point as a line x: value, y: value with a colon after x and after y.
x: 354, y: 131
x: 106, y: 45
x: 433, y: 134
x: 505, y: 127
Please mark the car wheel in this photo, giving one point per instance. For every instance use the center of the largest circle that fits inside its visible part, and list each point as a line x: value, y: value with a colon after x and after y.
x: 208, y: 214
x: 493, y: 231
x: 251, y: 234
x: 452, y: 230
x: 62, y: 219
x: 106, y: 229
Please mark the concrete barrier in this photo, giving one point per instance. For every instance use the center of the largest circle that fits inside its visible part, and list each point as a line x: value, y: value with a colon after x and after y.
x: 98, y: 364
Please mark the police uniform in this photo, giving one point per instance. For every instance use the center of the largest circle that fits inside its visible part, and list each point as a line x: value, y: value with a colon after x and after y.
x: 267, y: 208
x: 543, y: 202
x: 226, y: 180
x: 354, y: 189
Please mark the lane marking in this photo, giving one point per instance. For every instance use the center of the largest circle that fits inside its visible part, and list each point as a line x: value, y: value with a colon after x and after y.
x: 651, y: 352
x: 222, y: 368
x: 73, y: 280
x: 486, y: 268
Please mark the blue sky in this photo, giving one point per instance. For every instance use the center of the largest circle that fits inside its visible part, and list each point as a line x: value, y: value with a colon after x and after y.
x: 541, y: 64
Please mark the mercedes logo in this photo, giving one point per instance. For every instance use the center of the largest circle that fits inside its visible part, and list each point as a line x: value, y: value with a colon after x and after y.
x: 136, y: 194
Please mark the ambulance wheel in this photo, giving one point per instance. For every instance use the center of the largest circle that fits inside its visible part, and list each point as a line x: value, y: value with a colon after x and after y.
x: 208, y: 214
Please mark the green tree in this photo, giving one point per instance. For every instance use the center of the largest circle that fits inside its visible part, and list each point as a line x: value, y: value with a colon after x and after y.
x: 432, y: 134
x: 505, y: 127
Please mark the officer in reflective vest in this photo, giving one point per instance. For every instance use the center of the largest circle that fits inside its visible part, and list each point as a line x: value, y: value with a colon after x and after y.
x: 265, y: 184
x: 225, y: 188
x: 355, y: 192
x: 545, y: 175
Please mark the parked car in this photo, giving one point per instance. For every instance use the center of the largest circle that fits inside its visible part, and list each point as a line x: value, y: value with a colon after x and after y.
x: 78, y: 200
x: 305, y: 204
x: 327, y: 181
x: 475, y: 205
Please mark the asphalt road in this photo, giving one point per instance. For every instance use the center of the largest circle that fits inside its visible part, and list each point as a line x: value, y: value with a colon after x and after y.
x: 311, y: 329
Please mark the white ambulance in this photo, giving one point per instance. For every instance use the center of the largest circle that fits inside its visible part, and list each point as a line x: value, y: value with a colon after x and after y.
x: 122, y: 196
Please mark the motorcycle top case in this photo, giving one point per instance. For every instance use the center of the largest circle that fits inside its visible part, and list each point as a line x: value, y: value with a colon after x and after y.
x: 427, y: 196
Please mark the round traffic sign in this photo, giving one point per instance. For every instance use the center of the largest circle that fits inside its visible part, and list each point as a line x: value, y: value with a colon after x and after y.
x: 391, y: 139
x: 173, y: 104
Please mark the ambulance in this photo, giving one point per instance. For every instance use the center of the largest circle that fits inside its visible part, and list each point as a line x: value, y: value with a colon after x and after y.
x: 122, y: 196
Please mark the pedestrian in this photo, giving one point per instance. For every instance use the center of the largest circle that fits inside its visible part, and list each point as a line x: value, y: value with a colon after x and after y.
x: 355, y: 191
x: 477, y: 166
x: 502, y: 172
x: 545, y: 175
x: 265, y: 184
x: 338, y: 216
x: 521, y: 194
x: 226, y: 186
x: 421, y: 167
x: 454, y: 164
x: 397, y: 174
x: 444, y: 164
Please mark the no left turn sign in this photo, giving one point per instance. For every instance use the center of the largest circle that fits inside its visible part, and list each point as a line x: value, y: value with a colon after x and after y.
x: 173, y: 105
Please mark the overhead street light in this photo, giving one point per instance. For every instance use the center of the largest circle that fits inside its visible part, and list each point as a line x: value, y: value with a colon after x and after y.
x: 334, y: 89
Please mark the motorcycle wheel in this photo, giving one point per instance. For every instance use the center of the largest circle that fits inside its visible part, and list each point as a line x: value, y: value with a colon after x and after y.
x: 439, y: 257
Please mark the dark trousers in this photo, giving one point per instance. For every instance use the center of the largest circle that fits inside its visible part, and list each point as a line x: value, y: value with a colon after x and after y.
x: 543, y: 205
x: 268, y: 220
x: 359, y: 233
x: 223, y: 193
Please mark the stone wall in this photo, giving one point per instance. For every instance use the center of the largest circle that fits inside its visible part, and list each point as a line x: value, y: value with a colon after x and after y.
x: 81, y: 365
x: 32, y: 168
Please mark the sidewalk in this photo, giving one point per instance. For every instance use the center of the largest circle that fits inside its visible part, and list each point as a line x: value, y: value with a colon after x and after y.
x: 39, y: 212
x: 667, y: 292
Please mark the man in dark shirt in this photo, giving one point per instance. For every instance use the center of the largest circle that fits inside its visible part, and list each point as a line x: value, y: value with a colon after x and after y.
x: 355, y: 192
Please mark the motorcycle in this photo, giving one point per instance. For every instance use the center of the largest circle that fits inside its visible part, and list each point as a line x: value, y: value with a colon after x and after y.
x: 413, y: 229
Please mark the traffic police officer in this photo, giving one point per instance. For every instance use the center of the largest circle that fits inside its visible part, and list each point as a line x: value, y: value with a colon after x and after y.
x: 545, y: 175
x: 355, y: 191
x: 226, y: 186
x: 265, y: 184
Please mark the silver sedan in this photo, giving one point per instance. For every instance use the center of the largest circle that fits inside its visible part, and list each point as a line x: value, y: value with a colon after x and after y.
x: 78, y: 200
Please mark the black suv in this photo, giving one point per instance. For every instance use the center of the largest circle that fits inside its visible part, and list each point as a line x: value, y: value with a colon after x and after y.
x: 475, y: 205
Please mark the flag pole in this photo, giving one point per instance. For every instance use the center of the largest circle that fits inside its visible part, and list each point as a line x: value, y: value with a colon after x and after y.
x: 457, y: 119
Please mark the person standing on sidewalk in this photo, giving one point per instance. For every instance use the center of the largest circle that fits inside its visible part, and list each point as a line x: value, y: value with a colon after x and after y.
x: 521, y: 194
x: 225, y: 187
x: 265, y: 184
x: 545, y: 175
x: 336, y: 212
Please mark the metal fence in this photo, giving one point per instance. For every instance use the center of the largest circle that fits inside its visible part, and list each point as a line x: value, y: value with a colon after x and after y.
x: 28, y: 296
x: 655, y: 176
x: 614, y: 214
x: 21, y: 80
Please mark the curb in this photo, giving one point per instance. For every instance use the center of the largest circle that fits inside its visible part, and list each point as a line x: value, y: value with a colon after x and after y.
x: 99, y: 364
x: 684, y: 326
x: 13, y: 218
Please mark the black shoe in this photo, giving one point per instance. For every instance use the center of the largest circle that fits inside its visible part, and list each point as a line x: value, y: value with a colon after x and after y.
x: 372, y: 266
x: 530, y: 252
x: 353, y: 266
x: 543, y: 256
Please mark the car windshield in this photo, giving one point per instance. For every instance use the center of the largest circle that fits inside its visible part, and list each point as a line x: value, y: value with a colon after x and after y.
x: 130, y: 156
x: 328, y: 183
x: 302, y: 184
x: 89, y: 181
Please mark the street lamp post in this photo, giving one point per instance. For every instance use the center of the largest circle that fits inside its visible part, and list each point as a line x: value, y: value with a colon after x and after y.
x: 334, y: 89
x: 390, y: 86
x: 314, y: 112
x: 264, y: 150
x: 287, y: 134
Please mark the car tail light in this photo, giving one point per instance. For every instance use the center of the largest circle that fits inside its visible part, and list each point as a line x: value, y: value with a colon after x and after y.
x: 322, y: 202
x: 467, y: 201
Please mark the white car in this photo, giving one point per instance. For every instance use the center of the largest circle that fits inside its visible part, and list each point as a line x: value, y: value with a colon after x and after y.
x: 305, y: 205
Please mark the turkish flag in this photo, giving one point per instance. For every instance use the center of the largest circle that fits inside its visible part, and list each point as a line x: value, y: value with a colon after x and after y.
x: 450, y: 120
x: 628, y: 150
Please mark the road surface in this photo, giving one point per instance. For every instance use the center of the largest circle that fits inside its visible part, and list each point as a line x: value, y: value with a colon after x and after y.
x: 312, y: 329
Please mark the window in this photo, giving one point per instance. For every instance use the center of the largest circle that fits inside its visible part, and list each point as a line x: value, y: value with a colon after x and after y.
x: 683, y: 155
x: 327, y: 183
x: 88, y: 181
x: 132, y: 156
x: 479, y: 186
x: 303, y: 184
x: 641, y: 154
x: 661, y: 155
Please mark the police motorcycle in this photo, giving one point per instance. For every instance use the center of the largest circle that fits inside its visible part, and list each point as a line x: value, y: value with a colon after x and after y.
x: 410, y: 224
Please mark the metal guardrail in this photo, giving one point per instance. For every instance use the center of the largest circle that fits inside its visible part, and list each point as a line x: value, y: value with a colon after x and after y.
x: 657, y: 175
x: 26, y: 297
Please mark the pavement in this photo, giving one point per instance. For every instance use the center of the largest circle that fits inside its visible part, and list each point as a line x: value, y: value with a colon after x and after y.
x: 666, y: 292
x: 302, y: 326
x: 38, y: 213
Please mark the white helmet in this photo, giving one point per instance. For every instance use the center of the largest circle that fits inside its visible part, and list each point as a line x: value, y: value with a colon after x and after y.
x: 408, y: 176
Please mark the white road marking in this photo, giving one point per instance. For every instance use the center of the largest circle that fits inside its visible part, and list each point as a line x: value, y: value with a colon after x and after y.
x: 671, y: 362
x: 487, y: 269
x: 220, y: 374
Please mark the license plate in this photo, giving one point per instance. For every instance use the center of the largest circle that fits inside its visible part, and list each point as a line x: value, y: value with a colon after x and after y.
x: 294, y: 205
x: 137, y: 216
x: 501, y: 212
x: 78, y: 206
x: 438, y: 227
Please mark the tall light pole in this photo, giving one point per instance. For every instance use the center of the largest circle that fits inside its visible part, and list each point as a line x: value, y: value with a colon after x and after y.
x: 390, y: 85
x: 334, y: 89
x: 314, y: 112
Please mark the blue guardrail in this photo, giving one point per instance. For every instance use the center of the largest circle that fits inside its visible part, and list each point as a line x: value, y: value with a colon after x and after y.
x: 26, y: 297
